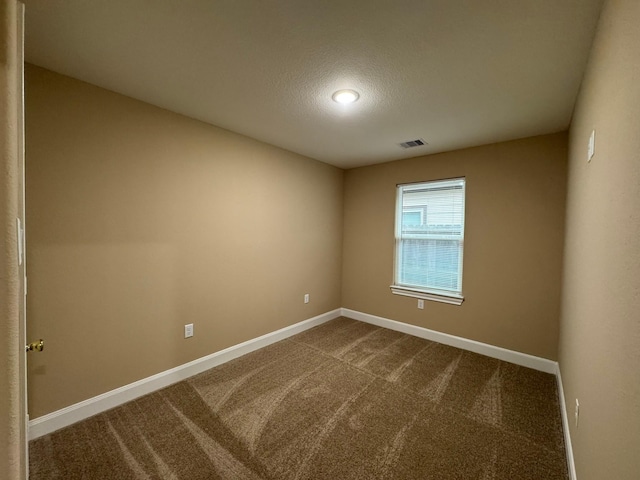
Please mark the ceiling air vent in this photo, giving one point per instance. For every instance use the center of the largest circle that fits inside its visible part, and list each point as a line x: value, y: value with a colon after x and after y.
x: 413, y: 143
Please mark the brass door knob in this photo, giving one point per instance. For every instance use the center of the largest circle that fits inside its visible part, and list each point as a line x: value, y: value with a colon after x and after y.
x: 39, y: 346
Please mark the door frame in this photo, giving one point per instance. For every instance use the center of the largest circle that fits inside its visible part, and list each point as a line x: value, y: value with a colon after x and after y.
x: 13, y: 426
x: 21, y: 227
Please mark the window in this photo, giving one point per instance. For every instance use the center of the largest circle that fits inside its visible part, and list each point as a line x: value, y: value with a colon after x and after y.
x: 430, y: 240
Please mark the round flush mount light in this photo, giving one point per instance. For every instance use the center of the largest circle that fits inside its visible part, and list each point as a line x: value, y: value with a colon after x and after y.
x: 345, y: 96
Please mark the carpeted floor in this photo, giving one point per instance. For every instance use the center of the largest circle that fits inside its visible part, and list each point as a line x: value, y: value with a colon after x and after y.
x: 345, y: 400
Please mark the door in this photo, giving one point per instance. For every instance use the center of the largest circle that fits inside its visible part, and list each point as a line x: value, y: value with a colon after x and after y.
x: 13, y: 429
x: 20, y: 224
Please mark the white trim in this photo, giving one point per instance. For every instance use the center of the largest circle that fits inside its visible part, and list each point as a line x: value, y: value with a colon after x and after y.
x: 450, y: 298
x: 565, y: 428
x: 523, y: 359
x: 74, y: 413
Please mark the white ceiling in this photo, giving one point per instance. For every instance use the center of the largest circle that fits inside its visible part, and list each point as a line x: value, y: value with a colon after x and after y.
x: 456, y: 73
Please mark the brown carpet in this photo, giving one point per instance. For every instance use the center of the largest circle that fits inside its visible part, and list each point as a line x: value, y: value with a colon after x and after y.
x: 345, y: 400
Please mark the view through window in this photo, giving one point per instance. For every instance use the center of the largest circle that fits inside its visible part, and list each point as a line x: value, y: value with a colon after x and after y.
x: 430, y: 238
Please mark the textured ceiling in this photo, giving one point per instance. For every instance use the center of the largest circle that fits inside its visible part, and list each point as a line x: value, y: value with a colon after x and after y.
x: 456, y: 73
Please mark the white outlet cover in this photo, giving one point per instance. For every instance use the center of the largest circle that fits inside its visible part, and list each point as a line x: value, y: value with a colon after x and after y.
x: 188, y: 330
x: 592, y: 146
x: 420, y: 304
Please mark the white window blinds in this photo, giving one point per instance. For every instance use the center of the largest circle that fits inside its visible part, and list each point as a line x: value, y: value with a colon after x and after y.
x: 430, y: 237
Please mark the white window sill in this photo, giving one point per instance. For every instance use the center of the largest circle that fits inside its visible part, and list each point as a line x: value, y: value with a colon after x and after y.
x: 444, y: 297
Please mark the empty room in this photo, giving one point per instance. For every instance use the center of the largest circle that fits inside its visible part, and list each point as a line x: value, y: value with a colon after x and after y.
x: 320, y: 240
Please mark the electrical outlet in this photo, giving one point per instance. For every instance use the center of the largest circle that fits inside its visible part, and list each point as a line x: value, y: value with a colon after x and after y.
x: 420, y: 304
x: 306, y: 298
x: 577, y: 412
x: 188, y: 330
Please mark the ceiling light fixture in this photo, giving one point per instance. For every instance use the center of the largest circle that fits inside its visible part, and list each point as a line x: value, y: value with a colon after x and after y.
x: 345, y: 96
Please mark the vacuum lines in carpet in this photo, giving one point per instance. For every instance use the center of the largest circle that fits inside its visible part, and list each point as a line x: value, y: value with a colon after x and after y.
x: 345, y: 400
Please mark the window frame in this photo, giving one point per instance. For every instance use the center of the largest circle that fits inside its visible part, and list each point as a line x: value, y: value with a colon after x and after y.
x: 415, y: 291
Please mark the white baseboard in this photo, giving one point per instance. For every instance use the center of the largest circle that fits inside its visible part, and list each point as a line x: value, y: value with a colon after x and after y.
x: 511, y: 356
x: 565, y: 428
x: 74, y: 413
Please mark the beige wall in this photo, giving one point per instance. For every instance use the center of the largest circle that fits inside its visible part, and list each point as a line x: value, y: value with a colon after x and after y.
x: 141, y: 221
x: 513, y: 242
x: 139, y: 218
x: 12, y: 414
x: 600, y: 327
